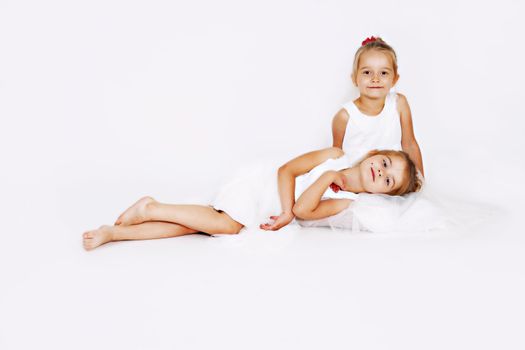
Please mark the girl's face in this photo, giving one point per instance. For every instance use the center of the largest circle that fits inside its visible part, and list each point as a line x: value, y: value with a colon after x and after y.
x: 375, y: 74
x: 382, y: 174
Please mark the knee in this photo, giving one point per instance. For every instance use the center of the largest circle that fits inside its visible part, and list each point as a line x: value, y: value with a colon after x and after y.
x: 233, y: 228
x: 228, y: 225
x: 300, y: 212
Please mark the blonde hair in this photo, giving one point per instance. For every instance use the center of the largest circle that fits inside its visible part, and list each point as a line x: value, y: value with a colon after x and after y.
x: 411, y: 183
x: 380, y: 45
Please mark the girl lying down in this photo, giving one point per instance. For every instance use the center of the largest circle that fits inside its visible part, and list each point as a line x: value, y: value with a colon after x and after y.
x: 314, y: 186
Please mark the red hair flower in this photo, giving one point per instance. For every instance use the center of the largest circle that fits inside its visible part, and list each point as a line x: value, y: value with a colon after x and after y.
x: 368, y: 40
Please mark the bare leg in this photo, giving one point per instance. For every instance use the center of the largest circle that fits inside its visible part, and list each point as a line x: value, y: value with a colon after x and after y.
x: 198, y: 217
x: 147, y: 230
x: 136, y: 213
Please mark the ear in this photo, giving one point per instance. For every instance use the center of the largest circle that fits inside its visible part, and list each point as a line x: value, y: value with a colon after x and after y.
x: 395, y: 80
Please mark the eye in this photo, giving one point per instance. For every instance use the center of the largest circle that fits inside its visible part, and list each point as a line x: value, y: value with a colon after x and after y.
x: 366, y: 72
x: 384, y: 73
x: 384, y: 163
x: 388, y: 181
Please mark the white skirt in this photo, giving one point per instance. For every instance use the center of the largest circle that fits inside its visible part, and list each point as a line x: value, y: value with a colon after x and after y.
x: 252, y: 196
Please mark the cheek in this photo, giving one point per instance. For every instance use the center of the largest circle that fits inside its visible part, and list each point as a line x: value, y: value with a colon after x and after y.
x: 374, y: 187
x: 377, y: 187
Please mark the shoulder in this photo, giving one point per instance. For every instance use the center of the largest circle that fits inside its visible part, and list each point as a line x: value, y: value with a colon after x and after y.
x: 342, y: 115
x: 401, y: 99
x: 402, y: 104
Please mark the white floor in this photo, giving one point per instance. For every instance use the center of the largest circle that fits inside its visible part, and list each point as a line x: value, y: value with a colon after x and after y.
x: 296, y: 288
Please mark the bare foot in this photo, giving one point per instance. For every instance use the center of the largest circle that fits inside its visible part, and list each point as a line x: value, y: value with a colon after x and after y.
x: 136, y: 214
x: 93, y: 239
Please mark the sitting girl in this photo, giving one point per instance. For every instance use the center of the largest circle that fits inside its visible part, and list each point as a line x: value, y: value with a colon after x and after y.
x: 305, y: 189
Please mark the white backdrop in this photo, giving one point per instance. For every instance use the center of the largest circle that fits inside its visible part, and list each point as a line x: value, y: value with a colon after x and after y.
x: 102, y: 102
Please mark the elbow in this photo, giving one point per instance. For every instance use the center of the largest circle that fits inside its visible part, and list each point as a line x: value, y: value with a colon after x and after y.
x: 283, y: 169
x: 410, y: 145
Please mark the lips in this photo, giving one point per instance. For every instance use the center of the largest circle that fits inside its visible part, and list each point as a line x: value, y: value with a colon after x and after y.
x: 375, y: 87
x: 373, y: 174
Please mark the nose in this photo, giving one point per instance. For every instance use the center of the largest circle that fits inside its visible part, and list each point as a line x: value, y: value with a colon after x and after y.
x: 379, y: 172
x: 375, y: 77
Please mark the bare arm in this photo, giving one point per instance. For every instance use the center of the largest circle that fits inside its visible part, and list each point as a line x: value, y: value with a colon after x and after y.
x: 408, y: 139
x: 309, y: 205
x: 339, y: 128
x: 286, y: 182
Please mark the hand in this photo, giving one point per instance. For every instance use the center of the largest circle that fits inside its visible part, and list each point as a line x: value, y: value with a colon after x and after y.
x: 339, y: 182
x: 278, y: 222
x: 335, y: 188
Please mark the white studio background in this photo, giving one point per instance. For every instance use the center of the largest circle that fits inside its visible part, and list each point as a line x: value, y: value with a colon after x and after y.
x: 102, y: 102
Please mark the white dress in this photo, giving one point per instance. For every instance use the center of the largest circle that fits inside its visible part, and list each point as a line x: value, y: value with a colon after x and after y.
x: 252, y: 195
x: 365, y: 133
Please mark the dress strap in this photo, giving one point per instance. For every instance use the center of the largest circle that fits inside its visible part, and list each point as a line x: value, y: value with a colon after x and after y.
x: 391, y: 100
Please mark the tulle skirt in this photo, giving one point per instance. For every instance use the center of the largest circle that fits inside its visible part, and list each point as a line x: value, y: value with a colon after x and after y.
x: 423, y: 211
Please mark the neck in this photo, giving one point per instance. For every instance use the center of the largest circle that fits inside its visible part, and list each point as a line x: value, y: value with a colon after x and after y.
x: 354, y: 181
x: 371, y: 105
